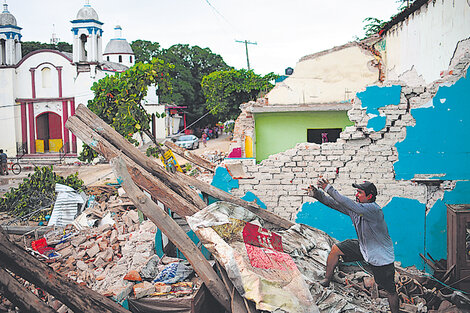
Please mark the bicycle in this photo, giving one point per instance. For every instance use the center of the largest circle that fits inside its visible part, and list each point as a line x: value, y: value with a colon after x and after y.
x: 15, y: 168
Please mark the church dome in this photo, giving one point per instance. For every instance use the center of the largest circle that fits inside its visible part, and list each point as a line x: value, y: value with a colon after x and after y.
x: 6, y: 18
x: 118, y: 45
x: 87, y: 13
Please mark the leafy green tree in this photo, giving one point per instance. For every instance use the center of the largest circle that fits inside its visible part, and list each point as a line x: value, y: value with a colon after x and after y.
x: 226, y: 90
x: 30, y: 46
x: 145, y: 50
x: 373, y: 26
x: 191, y: 63
x: 118, y: 99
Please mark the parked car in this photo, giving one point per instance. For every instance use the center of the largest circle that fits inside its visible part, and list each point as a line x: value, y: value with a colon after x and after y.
x: 188, y: 142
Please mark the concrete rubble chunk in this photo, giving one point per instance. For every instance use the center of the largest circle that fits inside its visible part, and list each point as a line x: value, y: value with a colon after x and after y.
x: 143, y: 289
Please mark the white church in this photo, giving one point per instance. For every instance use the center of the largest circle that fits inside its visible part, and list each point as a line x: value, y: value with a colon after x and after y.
x: 39, y: 91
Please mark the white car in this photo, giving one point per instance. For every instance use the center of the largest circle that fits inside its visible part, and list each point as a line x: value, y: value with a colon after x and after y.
x: 188, y: 142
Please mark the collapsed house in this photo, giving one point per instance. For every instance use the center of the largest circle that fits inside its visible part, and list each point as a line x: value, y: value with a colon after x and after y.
x: 266, y: 263
x: 405, y: 134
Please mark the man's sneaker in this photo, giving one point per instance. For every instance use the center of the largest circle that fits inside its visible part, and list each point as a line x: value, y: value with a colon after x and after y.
x: 325, y: 282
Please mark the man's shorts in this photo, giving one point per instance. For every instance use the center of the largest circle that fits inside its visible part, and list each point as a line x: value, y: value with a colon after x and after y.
x: 384, y: 275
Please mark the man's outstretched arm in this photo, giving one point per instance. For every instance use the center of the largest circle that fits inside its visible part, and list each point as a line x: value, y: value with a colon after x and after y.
x: 325, y: 199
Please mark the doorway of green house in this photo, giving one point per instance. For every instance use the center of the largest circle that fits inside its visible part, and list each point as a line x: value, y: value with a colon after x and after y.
x: 48, y: 132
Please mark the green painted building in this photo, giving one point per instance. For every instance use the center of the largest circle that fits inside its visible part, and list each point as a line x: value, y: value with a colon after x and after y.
x: 279, y: 129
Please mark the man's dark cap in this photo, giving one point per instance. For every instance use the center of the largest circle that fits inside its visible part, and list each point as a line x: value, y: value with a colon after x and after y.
x: 368, y: 187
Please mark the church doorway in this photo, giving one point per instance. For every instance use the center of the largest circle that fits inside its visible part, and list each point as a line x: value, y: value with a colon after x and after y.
x: 48, y: 132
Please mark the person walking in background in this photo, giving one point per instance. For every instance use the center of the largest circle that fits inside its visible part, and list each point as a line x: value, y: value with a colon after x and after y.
x: 373, y: 245
x: 4, y: 163
x: 204, y: 139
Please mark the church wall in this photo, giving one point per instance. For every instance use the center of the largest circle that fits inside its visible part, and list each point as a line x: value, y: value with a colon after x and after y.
x: 9, y: 113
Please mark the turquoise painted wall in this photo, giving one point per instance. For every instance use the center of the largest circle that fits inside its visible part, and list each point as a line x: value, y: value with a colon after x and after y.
x: 277, y: 132
x: 439, y: 143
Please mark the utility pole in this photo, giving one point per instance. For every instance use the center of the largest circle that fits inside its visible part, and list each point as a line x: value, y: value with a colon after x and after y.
x: 246, y: 42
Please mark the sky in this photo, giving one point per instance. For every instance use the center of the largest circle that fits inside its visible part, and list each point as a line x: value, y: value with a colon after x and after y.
x: 284, y: 31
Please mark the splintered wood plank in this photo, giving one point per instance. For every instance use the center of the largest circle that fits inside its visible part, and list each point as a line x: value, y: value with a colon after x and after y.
x: 77, y: 297
x: 174, y: 233
x: 98, y: 126
x: 155, y: 187
x: 24, y: 299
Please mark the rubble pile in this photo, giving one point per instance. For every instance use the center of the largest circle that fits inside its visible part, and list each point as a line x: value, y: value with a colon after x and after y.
x: 118, y: 260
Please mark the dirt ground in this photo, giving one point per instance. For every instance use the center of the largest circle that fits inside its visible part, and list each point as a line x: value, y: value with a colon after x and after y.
x: 102, y: 173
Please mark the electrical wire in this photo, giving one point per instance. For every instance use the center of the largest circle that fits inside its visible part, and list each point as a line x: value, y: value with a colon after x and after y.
x: 447, y: 286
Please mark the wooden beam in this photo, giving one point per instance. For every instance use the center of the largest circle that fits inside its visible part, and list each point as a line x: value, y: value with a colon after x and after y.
x: 155, y: 187
x: 191, y: 157
x: 21, y: 230
x: 77, y: 297
x: 112, y: 136
x: 174, y: 233
x: 24, y: 299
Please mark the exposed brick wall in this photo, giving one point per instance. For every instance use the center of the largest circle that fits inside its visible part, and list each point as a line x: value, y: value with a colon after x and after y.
x: 359, y: 154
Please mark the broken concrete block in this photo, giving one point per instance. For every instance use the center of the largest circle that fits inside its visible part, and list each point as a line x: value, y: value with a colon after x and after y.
x: 133, y: 276
x: 118, y: 293
x: 368, y: 282
x: 150, y: 270
x: 99, y: 262
x: 66, y: 252
x: 92, y: 251
x: 113, y: 237
x: 143, y: 289
x: 103, y: 244
x: 82, y: 266
x: 78, y: 240
x: 409, y: 308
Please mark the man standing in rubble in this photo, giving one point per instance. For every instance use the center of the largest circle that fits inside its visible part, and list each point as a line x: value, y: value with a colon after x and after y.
x: 373, y: 245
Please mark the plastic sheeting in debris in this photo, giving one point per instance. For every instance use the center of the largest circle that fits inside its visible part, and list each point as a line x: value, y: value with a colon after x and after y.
x: 253, y: 257
x: 65, y: 206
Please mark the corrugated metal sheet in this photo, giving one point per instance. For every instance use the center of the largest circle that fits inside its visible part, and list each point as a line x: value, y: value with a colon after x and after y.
x: 65, y: 206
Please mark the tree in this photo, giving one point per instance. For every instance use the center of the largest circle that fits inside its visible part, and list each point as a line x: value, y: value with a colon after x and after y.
x: 118, y: 99
x: 191, y: 65
x: 226, y: 90
x: 373, y: 26
x: 145, y: 50
x: 30, y: 46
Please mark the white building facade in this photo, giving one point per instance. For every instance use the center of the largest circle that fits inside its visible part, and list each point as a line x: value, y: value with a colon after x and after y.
x: 41, y: 90
x: 425, y: 37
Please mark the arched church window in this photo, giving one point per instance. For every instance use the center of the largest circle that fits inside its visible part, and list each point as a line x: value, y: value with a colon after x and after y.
x: 130, y: 58
x: 3, y: 58
x: 82, y: 52
x: 46, y: 77
x: 107, y: 58
x: 120, y: 59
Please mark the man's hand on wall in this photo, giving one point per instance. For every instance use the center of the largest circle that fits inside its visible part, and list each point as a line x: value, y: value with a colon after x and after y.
x: 322, y: 183
x: 311, y: 190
